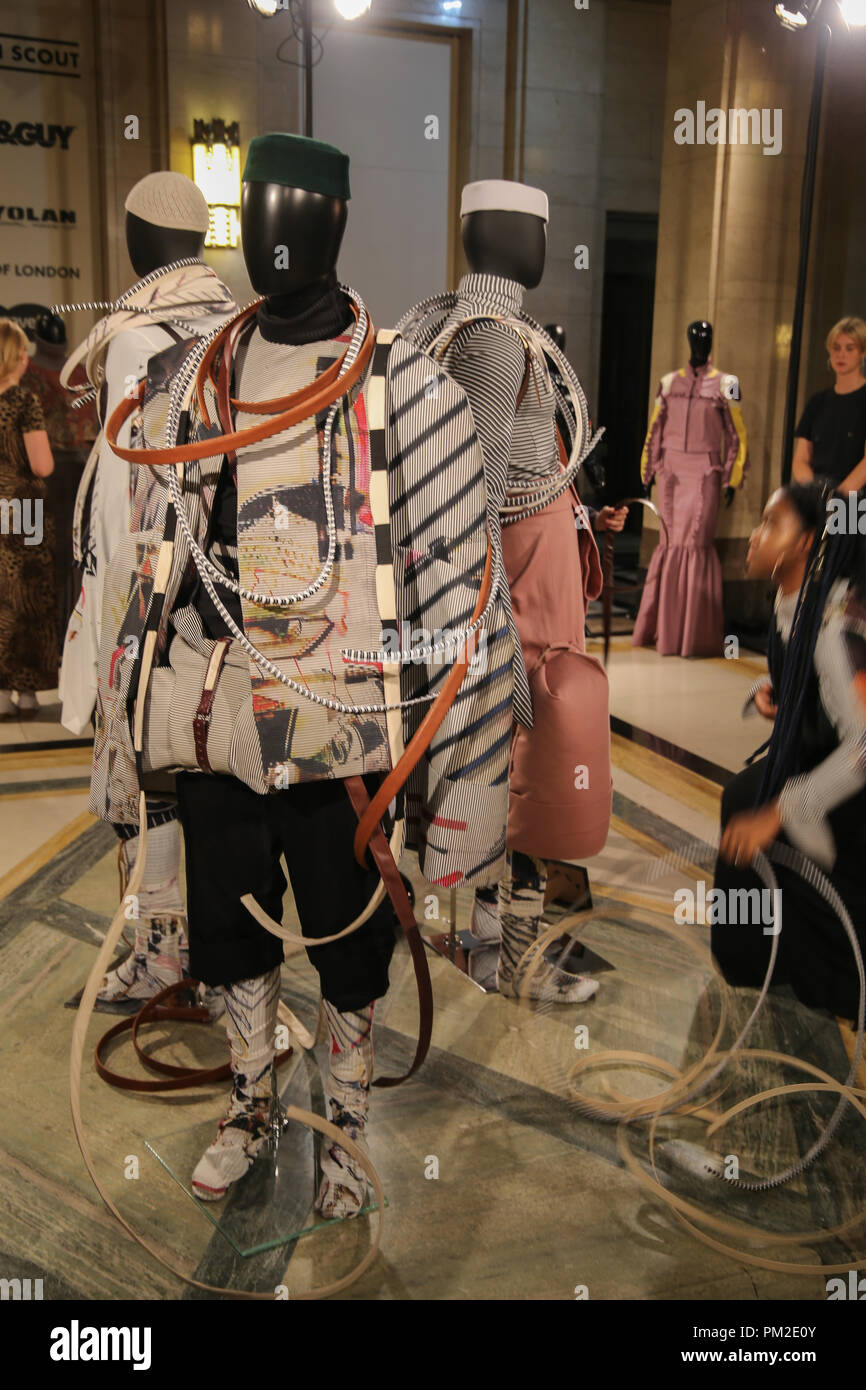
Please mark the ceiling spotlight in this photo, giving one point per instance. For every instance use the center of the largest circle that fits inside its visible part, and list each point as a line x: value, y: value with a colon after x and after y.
x: 853, y: 12
x: 352, y: 9
x: 265, y: 7
x: 797, y: 16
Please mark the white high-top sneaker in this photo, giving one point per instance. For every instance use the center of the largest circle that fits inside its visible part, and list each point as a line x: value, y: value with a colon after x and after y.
x: 251, y: 1018
x: 521, y: 905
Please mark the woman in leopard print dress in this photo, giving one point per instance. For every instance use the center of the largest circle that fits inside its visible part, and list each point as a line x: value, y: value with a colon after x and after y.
x: 28, y: 624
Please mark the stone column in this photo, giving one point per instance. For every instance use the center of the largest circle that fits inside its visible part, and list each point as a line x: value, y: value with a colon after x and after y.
x: 729, y: 233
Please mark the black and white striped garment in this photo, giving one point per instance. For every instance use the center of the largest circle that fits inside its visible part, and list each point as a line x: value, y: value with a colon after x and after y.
x: 806, y: 801
x: 457, y: 798
x: 518, y: 442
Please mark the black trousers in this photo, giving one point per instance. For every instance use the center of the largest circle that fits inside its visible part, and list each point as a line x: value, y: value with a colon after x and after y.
x: 234, y: 838
x: 815, y: 956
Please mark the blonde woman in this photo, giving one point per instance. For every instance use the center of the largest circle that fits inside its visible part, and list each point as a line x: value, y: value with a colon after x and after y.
x: 831, y: 435
x: 28, y: 621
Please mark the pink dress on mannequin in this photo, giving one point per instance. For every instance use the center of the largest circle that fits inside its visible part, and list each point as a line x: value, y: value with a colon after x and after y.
x: 695, y: 446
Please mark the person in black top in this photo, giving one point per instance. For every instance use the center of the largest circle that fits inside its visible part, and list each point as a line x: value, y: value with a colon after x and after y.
x: 831, y: 435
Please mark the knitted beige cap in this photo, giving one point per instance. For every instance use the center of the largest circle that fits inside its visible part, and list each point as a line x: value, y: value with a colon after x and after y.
x: 169, y: 200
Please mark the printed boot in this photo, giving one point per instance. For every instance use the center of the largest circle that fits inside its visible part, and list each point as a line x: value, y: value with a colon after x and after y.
x: 521, y: 905
x: 160, y: 952
x: 343, y: 1189
x: 485, y: 925
x: 251, y: 1019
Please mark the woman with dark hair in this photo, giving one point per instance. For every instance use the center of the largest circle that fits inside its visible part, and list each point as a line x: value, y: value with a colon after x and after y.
x: 810, y: 788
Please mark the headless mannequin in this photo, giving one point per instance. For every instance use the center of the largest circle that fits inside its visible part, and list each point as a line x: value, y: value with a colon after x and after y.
x: 160, y: 954
x: 151, y: 247
x: 511, y: 245
x: 700, y: 336
x: 303, y: 304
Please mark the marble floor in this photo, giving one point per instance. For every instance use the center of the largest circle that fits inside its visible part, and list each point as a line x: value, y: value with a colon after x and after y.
x: 531, y: 1198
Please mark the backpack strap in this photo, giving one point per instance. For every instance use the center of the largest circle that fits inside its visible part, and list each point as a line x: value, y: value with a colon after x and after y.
x: 291, y: 409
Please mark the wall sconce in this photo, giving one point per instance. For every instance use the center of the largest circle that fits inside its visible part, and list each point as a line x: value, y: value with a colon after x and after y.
x: 216, y: 169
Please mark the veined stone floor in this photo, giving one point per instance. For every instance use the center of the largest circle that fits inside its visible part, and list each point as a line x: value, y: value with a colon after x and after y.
x: 532, y: 1199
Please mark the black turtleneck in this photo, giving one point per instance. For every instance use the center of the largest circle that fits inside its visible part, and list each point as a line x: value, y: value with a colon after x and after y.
x: 310, y: 315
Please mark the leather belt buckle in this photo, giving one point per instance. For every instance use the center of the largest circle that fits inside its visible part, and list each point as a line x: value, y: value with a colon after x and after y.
x: 202, y: 718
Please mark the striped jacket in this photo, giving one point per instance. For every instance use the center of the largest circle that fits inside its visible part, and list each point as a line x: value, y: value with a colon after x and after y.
x: 416, y: 430
x: 518, y: 440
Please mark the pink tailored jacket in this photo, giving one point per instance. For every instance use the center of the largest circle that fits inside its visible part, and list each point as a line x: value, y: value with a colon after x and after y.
x: 697, y: 411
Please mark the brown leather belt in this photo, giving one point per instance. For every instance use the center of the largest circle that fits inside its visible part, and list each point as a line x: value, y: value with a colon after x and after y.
x: 202, y: 717
x: 390, y: 875
x: 177, y: 1078
x: 293, y: 409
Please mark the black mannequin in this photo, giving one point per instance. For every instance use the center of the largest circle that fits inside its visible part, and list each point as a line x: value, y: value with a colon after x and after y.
x: 303, y: 304
x: 700, y: 336
x: 150, y: 246
x: 510, y: 244
x: 309, y: 225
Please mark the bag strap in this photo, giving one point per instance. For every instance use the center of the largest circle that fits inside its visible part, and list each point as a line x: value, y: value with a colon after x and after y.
x: 295, y: 408
x: 177, y: 1078
x: 390, y: 876
x: 202, y: 717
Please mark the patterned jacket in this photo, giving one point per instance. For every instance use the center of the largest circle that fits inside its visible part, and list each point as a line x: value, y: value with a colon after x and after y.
x: 404, y: 418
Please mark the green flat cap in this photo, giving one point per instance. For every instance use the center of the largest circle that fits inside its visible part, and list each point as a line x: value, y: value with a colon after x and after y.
x: 298, y: 162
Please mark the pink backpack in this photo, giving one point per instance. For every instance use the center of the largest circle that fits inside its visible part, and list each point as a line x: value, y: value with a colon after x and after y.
x: 560, y: 780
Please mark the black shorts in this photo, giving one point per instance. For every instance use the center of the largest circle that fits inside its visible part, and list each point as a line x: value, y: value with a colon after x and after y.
x: 234, y: 838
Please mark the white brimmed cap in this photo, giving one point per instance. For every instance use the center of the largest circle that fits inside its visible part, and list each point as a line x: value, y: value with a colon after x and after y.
x: 170, y: 200
x: 503, y: 195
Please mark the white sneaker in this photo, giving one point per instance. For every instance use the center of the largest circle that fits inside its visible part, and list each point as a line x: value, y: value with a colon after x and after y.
x: 240, y: 1139
x: 549, y: 985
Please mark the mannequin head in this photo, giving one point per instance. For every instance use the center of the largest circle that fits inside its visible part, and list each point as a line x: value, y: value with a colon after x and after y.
x: 294, y: 207
x: 150, y: 246
x: 510, y: 244
x: 504, y: 227
x: 700, y: 336
x: 166, y: 220
x: 309, y: 225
